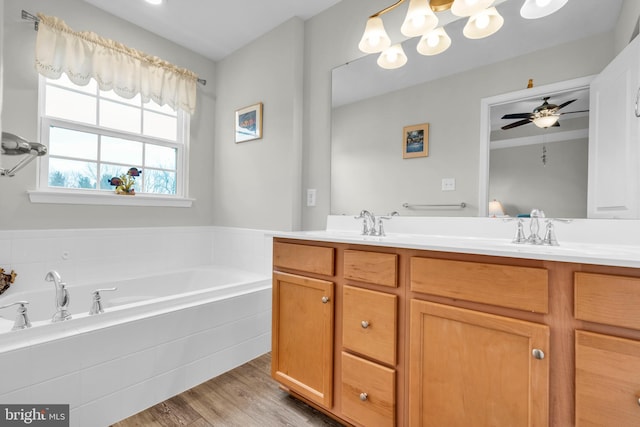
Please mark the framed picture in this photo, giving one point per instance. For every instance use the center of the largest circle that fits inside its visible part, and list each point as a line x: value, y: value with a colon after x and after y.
x: 249, y: 123
x: 415, y: 141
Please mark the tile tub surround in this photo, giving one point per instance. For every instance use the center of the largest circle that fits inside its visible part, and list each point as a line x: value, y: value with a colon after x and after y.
x: 111, y: 373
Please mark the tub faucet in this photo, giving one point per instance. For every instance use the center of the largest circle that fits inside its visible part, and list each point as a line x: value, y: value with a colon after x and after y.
x: 22, y: 320
x: 62, y: 297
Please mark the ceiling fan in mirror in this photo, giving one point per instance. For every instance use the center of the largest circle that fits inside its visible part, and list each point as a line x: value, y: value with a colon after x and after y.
x: 543, y: 116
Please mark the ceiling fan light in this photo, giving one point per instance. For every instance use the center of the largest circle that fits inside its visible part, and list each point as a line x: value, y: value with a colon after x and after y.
x: 434, y: 42
x: 545, y: 121
x: 483, y: 24
x: 420, y: 19
x: 392, y: 58
x: 375, y: 38
x: 534, y: 9
x: 469, y: 7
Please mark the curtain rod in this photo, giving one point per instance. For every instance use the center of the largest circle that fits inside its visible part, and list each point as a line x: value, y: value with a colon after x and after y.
x: 36, y: 22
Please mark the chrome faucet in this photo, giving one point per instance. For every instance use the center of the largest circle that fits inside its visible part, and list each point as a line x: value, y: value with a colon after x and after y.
x: 62, y: 296
x: 534, y: 227
x: 22, y: 320
x: 549, y: 238
x: 372, y: 226
x: 96, y: 304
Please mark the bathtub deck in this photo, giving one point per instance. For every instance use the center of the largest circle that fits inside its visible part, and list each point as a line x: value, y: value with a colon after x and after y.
x: 245, y: 396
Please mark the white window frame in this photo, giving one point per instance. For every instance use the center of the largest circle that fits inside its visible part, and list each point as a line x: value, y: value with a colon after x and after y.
x: 46, y: 194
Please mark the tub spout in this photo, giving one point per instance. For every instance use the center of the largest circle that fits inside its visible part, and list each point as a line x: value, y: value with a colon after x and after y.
x: 62, y: 296
x: 96, y: 305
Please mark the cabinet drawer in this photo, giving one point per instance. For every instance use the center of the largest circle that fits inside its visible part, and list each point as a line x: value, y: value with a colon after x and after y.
x: 371, y: 267
x: 603, y: 298
x: 607, y: 380
x: 368, y: 392
x: 312, y: 259
x: 369, y: 323
x: 523, y: 288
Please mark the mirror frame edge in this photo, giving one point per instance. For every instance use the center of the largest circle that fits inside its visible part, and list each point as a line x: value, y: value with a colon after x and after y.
x: 485, y: 126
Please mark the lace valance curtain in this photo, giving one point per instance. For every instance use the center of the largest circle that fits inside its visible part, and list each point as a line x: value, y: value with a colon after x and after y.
x: 126, y: 71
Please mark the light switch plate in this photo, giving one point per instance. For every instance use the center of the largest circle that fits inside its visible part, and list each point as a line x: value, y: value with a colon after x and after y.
x: 311, y: 197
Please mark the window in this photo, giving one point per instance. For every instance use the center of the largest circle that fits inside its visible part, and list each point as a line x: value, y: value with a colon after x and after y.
x: 93, y: 135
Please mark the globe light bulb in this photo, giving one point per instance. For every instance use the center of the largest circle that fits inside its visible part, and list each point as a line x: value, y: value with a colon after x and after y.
x: 482, y: 21
x: 433, y: 40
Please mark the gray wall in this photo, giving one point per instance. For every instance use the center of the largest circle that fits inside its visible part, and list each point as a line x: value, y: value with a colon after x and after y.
x: 368, y: 168
x: 520, y: 180
x: 256, y: 184
x: 20, y: 116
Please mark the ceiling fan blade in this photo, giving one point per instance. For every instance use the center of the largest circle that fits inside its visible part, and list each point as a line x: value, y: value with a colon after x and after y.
x: 517, y: 116
x: 571, y: 112
x: 564, y: 104
x: 516, y: 124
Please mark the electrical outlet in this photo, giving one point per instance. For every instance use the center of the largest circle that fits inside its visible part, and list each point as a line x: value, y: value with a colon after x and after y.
x: 311, y: 197
x: 448, y: 184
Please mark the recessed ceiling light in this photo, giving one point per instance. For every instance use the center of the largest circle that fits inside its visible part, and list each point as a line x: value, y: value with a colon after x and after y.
x: 155, y: 2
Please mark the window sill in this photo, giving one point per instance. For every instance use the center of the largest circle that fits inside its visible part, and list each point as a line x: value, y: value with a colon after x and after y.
x: 78, y: 197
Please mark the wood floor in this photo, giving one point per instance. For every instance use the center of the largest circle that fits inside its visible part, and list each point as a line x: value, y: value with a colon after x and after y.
x: 244, y: 397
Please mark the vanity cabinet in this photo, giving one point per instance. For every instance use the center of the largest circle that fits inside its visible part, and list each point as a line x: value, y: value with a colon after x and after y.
x: 385, y: 336
x: 303, y: 322
x: 607, y: 366
x: 614, y: 138
x: 467, y: 367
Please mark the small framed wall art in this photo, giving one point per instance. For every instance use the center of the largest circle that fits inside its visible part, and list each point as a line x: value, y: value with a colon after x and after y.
x: 415, y: 141
x: 249, y: 123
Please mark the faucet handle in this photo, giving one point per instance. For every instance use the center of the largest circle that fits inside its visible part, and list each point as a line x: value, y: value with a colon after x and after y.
x: 22, y: 320
x: 96, y: 305
x: 520, y: 236
x: 380, y: 226
x: 550, y: 234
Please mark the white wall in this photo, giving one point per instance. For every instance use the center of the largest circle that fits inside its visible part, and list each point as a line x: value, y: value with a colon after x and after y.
x: 20, y: 116
x: 368, y: 168
x: 627, y: 22
x: 520, y: 180
x: 256, y: 184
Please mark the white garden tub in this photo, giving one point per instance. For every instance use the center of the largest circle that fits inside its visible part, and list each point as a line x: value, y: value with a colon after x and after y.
x: 159, y: 335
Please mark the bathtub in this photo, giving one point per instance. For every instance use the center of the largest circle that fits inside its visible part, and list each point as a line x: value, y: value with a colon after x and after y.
x: 160, y: 334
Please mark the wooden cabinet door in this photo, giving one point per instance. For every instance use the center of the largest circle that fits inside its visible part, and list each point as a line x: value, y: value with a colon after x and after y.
x: 614, y: 136
x: 302, y: 336
x: 607, y: 380
x: 469, y: 368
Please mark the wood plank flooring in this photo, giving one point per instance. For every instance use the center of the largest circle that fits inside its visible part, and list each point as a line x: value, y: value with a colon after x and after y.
x: 245, y: 397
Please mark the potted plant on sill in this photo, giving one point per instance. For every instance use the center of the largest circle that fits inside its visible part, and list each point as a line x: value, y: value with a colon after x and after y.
x: 124, y: 183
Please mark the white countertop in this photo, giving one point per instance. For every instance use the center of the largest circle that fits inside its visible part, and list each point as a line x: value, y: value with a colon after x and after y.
x: 603, y: 242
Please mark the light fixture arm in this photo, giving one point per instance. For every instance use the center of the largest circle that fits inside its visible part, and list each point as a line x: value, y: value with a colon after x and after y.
x: 387, y: 9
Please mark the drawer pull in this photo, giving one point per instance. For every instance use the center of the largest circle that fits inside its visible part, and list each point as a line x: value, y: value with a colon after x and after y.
x: 325, y: 299
x: 363, y: 396
x: 364, y: 324
x: 538, y: 354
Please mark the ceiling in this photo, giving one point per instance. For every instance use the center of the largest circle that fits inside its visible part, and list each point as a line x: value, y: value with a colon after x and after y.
x: 212, y: 28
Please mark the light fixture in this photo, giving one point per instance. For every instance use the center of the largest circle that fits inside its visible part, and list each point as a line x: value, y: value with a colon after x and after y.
x: 469, y: 7
x: 483, y: 24
x: 375, y: 38
x: 393, y: 57
x: 496, y: 209
x: 420, y: 19
x: 534, y: 9
x: 434, y: 42
x: 545, y: 121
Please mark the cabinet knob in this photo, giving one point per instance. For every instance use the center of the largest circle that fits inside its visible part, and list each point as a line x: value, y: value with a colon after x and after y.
x: 325, y: 300
x: 363, y: 396
x: 364, y: 324
x: 538, y: 354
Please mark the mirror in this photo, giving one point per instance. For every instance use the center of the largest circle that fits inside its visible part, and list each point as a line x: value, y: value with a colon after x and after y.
x: 371, y: 106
